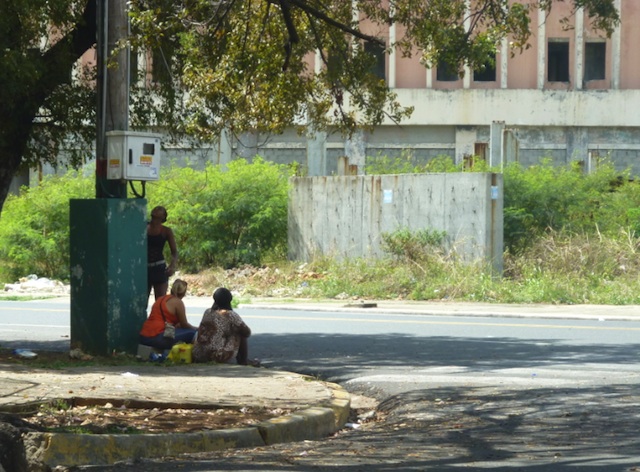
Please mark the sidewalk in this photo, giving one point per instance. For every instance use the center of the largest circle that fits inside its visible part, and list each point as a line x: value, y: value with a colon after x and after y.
x: 319, y: 408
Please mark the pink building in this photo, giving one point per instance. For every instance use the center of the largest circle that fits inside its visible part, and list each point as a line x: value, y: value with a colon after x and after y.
x: 573, y: 95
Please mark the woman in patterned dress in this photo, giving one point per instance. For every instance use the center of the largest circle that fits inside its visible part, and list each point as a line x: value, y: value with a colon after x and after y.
x: 222, y: 335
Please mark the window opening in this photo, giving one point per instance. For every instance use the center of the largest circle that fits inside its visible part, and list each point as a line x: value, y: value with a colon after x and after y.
x: 558, y: 61
x: 595, y: 54
x: 488, y: 71
x: 446, y: 73
x: 377, y: 51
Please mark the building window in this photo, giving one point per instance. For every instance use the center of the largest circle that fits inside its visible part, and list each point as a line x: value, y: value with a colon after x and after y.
x: 160, y: 61
x: 335, y: 63
x: 377, y: 51
x: 487, y: 73
x: 558, y: 61
x: 133, y: 67
x: 595, y: 54
x: 446, y: 72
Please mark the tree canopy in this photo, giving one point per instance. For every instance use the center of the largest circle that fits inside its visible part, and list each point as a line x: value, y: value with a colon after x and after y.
x: 260, y: 65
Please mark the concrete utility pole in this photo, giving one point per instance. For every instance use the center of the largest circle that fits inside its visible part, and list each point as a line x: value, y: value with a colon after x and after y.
x: 108, y: 234
x: 113, y: 89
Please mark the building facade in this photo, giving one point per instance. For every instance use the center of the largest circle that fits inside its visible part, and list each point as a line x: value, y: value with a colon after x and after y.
x: 572, y: 96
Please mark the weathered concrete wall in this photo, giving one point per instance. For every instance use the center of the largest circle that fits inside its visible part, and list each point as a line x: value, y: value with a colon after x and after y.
x: 517, y: 107
x: 345, y: 216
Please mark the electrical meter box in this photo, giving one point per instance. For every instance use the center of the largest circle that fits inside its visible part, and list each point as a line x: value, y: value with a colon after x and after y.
x: 133, y: 155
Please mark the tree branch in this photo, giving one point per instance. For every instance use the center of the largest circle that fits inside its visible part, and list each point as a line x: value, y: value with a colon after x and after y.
x: 302, y: 5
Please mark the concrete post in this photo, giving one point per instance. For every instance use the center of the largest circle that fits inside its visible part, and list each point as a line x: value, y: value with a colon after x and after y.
x: 225, y: 148
x: 355, y: 150
x: 317, y: 154
x: 465, y: 142
x: 577, y: 144
x: 495, y: 144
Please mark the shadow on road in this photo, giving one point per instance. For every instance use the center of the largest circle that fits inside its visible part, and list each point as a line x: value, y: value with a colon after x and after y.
x: 538, y: 430
x: 340, y: 357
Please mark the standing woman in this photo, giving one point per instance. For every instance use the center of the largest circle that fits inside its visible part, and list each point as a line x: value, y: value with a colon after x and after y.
x: 158, y: 272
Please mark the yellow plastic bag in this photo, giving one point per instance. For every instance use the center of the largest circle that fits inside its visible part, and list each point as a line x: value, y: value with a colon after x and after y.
x: 180, y: 353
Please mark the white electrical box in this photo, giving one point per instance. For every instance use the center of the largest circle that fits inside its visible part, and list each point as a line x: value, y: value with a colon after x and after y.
x: 133, y: 155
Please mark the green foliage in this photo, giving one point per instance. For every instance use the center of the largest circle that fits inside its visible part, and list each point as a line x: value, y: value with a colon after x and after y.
x: 34, y: 234
x: 406, y: 164
x: 220, y: 218
x: 250, y: 65
x: 238, y: 66
x: 43, y: 111
x: 413, y: 245
x: 558, y: 268
x: 225, y: 217
x: 562, y: 198
x: 577, y: 238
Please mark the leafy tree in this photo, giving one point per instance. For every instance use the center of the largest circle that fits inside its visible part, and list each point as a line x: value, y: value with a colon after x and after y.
x: 236, y: 64
x: 40, y: 43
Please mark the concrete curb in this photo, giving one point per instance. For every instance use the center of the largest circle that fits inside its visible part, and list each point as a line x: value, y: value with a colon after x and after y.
x: 65, y: 449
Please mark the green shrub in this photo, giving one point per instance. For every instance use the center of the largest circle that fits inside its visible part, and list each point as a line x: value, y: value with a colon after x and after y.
x: 34, y: 234
x: 220, y: 218
x: 559, y: 198
x: 413, y: 245
x: 226, y: 217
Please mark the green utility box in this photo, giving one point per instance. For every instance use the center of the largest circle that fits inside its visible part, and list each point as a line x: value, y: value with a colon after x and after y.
x: 108, y: 267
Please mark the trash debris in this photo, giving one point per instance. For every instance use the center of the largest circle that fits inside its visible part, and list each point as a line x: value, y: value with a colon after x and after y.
x: 25, y: 353
x: 78, y: 354
x: 34, y: 284
x: 155, y: 357
x: 129, y: 374
x: 362, y: 304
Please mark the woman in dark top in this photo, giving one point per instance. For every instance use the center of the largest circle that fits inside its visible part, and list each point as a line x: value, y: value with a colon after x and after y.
x: 158, y: 272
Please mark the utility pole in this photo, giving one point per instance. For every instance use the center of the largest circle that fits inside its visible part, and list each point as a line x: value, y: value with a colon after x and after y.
x: 108, y: 233
x: 113, y: 89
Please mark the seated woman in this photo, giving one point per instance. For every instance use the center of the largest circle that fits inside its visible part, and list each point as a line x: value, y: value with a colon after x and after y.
x: 222, y: 335
x: 169, y: 308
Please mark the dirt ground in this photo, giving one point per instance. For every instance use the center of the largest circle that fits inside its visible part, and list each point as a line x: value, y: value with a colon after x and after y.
x: 109, y: 418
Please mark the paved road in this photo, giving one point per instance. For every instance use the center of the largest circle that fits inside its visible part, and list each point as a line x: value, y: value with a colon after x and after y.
x: 475, y: 392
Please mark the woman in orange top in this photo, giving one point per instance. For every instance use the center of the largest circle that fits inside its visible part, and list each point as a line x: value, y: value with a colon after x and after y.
x: 169, y: 308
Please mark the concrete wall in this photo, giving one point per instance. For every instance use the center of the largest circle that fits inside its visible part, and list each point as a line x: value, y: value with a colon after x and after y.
x: 345, y: 216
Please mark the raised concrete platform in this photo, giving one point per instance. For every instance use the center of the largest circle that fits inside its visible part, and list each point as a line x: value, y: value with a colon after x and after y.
x: 319, y: 408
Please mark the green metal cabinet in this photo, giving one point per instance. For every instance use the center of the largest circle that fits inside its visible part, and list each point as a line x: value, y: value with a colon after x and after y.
x: 108, y: 267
